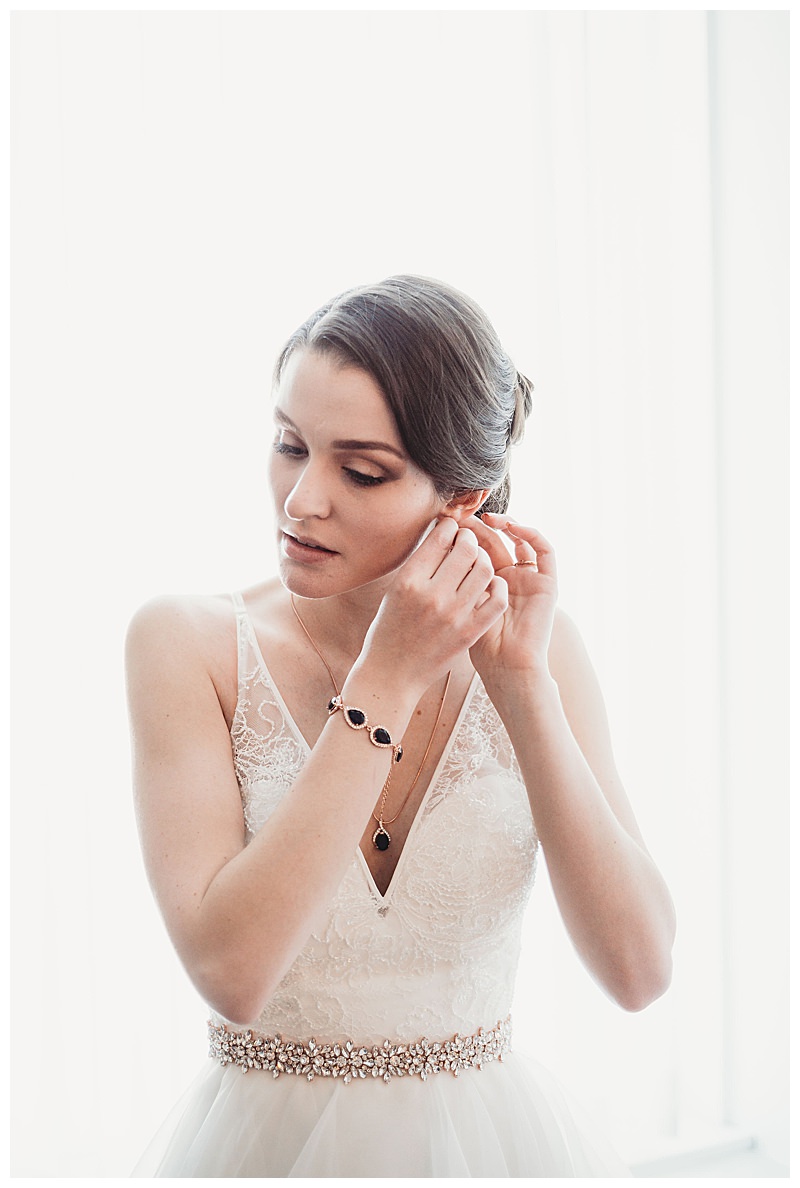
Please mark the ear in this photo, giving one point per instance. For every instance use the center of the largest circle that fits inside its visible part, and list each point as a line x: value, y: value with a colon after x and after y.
x: 464, y: 505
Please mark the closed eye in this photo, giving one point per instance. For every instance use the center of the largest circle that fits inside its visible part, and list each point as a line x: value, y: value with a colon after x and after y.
x: 283, y: 447
x: 363, y: 480
x: 355, y: 476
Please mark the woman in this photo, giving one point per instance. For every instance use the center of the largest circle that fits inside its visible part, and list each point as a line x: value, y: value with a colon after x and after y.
x: 338, y: 774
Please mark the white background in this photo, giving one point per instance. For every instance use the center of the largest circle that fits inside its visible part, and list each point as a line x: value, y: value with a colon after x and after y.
x: 612, y: 188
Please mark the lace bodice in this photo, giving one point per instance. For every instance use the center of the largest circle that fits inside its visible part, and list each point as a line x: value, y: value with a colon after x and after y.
x: 438, y: 953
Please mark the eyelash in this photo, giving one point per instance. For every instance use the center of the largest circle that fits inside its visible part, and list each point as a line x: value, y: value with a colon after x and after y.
x: 360, y: 480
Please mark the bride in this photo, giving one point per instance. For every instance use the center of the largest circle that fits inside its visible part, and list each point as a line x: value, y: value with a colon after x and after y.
x: 343, y: 777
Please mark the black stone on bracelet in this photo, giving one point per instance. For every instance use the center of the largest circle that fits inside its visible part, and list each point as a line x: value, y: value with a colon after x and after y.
x: 356, y: 718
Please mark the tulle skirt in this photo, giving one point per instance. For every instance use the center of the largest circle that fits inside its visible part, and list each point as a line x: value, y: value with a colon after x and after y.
x: 508, y: 1118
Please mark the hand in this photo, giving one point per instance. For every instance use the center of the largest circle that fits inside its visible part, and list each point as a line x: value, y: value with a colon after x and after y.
x: 443, y: 599
x: 520, y: 638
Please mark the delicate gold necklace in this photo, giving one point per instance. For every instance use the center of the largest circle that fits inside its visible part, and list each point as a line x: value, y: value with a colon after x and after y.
x: 381, y: 838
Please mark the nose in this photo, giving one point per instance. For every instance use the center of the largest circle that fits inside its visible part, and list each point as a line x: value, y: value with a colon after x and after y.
x: 308, y: 498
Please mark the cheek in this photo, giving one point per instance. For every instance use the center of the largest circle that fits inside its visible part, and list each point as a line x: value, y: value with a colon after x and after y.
x: 396, y: 536
x: 278, y: 479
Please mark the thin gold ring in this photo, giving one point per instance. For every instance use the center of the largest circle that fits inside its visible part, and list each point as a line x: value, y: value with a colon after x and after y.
x: 516, y: 563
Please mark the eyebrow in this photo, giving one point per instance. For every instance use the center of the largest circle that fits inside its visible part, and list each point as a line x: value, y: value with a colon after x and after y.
x: 349, y: 443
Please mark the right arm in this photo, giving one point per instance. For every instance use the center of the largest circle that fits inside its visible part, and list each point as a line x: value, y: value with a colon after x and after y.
x: 239, y: 915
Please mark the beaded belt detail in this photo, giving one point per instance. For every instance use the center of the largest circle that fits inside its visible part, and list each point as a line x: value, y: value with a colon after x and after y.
x: 421, y: 1059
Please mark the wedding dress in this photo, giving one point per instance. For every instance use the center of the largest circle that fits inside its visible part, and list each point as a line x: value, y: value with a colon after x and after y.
x: 418, y: 980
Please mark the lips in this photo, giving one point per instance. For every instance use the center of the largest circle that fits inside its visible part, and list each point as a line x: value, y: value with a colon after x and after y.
x: 305, y: 544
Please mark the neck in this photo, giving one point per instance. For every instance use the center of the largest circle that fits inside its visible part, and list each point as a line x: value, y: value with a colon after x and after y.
x: 338, y: 624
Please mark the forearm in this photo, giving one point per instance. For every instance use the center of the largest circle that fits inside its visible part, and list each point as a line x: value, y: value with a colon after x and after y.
x: 614, y: 902
x: 261, y: 906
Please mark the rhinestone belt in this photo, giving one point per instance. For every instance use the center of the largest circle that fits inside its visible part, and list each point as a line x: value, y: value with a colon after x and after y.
x: 421, y: 1059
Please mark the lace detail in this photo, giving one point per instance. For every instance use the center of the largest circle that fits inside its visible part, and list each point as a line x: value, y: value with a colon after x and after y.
x: 267, y: 754
x: 438, y: 953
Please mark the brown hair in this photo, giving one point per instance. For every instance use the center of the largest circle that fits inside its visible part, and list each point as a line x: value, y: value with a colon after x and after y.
x: 458, y: 400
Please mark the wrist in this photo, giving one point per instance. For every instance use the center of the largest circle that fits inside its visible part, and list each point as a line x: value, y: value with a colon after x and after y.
x: 385, y: 699
x: 530, y: 687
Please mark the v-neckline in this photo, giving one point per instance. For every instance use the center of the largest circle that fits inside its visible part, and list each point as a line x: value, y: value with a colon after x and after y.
x: 383, y: 899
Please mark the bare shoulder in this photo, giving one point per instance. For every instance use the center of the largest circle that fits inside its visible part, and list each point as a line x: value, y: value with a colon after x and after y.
x: 179, y: 621
x: 184, y: 640
x: 575, y: 676
x: 565, y: 634
x: 585, y: 711
x: 567, y: 655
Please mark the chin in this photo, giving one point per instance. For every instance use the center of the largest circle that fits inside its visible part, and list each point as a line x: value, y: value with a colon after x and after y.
x: 304, y: 585
x: 314, y: 585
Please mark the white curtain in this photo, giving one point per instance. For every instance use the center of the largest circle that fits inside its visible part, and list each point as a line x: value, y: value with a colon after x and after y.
x: 186, y: 188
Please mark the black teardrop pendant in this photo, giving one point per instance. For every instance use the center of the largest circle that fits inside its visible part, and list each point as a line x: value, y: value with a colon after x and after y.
x: 381, y: 839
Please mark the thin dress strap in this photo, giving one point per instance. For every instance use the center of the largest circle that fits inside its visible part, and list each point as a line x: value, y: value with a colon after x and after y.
x: 243, y: 639
x: 247, y: 645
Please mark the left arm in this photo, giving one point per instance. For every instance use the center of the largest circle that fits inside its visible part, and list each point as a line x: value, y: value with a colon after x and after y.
x: 611, y: 896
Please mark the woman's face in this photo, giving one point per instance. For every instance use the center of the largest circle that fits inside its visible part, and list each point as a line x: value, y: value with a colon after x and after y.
x: 350, y: 504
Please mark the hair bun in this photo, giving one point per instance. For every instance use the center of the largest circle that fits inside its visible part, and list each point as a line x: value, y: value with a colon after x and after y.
x: 523, y: 403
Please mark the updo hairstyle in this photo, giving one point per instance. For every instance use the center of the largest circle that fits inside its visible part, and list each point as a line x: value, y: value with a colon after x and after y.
x: 458, y: 400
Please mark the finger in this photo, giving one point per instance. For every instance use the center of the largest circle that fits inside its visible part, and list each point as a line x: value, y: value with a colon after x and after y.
x: 456, y: 563
x: 436, y: 545
x: 529, y: 544
x: 491, y: 541
x: 493, y: 606
x: 533, y: 546
x: 476, y: 580
x: 525, y: 555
